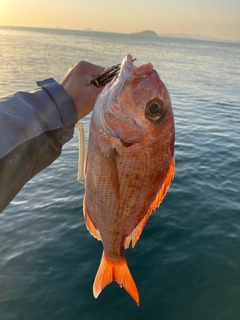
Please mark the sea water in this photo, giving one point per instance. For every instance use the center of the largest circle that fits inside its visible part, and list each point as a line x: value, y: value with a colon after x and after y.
x: 186, y: 263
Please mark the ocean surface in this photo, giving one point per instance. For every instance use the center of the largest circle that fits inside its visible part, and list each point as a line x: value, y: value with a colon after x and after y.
x: 187, y: 262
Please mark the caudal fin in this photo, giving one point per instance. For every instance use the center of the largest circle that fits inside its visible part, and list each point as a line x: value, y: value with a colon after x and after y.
x: 111, y: 270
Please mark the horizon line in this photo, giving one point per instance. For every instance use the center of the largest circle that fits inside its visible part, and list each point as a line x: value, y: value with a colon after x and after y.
x: 189, y: 36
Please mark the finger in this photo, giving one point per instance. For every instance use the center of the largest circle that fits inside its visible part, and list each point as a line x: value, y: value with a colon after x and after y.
x: 96, y: 70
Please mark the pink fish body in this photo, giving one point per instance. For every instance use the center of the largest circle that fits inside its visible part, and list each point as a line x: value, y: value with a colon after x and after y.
x: 129, y: 166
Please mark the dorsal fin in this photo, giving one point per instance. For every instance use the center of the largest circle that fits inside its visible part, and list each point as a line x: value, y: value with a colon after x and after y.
x: 134, y: 236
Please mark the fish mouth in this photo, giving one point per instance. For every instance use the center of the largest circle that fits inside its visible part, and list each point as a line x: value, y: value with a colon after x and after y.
x: 129, y: 71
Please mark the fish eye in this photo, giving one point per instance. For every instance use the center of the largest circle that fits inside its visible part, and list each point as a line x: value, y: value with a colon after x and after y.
x: 155, y: 109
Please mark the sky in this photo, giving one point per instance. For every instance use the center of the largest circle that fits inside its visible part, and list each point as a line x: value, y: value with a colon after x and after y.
x: 213, y: 18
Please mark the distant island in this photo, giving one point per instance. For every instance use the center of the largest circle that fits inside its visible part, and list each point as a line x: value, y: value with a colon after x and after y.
x: 147, y: 33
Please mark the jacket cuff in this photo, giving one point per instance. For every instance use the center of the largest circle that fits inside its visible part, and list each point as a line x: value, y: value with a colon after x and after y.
x: 62, y: 100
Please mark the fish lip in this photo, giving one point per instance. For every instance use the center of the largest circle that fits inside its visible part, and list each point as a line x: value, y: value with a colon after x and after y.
x: 129, y: 70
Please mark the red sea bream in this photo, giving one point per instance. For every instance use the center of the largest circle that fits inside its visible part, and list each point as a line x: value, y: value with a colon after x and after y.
x: 129, y: 166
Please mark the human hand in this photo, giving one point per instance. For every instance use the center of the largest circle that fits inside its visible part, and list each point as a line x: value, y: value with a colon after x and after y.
x: 77, y: 84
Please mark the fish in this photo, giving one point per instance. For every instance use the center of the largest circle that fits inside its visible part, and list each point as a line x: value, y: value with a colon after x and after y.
x: 129, y: 166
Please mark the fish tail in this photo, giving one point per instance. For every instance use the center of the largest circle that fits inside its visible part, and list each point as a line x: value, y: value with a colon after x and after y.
x: 115, y: 270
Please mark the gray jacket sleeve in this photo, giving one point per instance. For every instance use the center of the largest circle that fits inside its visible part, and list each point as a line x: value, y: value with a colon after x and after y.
x: 33, y: 128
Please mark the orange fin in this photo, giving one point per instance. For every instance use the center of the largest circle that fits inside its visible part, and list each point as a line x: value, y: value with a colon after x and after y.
x: 89, y: 224
x: 134, y: 236
x: 112, y: 270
